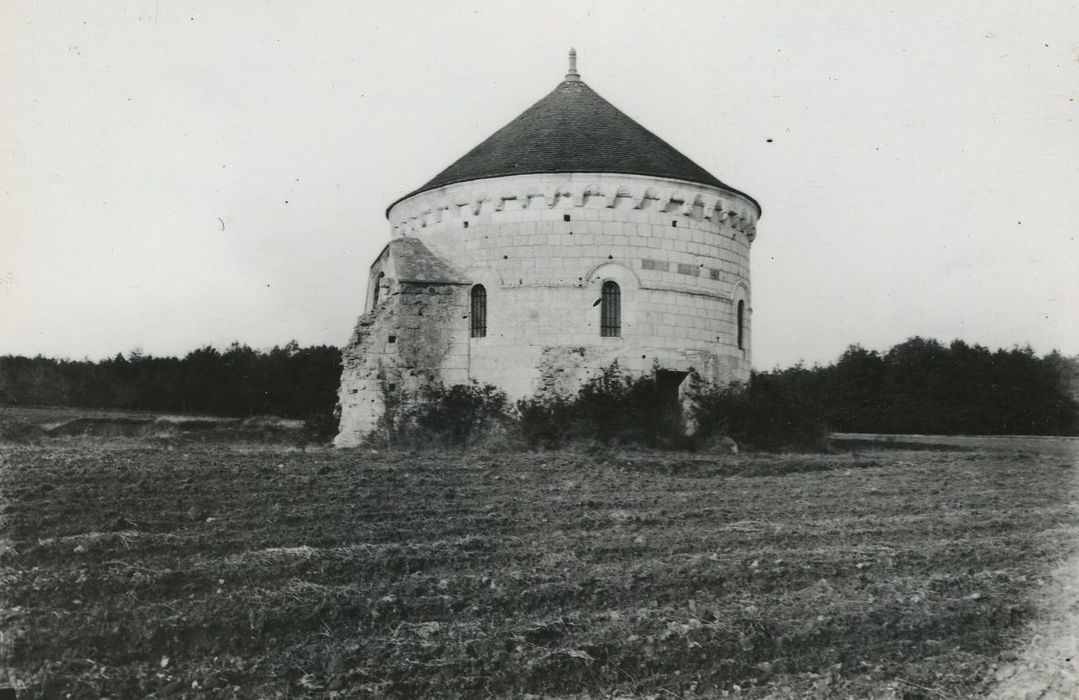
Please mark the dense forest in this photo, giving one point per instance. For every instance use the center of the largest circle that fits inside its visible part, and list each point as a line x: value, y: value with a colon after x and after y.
x: 918, y: 386
x: 923, y: 386
x: 289, y: 381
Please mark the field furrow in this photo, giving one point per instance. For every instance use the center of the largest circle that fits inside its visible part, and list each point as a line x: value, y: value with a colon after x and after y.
x: 207, y: 570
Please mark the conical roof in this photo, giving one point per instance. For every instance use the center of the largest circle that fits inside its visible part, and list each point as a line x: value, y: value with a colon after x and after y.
x: 573, y: 130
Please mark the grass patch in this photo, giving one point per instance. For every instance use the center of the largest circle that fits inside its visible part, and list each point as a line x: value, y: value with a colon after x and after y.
x: 205, y: 570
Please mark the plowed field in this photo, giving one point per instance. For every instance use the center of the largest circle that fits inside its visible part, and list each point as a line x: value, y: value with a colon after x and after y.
x: 223, y: 571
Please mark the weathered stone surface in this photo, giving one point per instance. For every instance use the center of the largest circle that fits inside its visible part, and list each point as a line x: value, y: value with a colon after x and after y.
x: 410, y: 337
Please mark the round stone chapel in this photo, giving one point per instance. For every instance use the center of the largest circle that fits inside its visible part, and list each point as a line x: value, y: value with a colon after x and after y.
x: 571, y: 238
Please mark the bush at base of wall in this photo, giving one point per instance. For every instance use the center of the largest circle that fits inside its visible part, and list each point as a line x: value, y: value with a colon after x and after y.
x: 612, y: 408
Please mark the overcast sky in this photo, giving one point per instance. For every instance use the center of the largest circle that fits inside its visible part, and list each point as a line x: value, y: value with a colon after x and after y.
x: 174, y: 174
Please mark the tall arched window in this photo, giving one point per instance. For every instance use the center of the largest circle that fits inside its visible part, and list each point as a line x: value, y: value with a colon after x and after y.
x: 479, y: 312
x: 610, y: 312
x: 741, y: 324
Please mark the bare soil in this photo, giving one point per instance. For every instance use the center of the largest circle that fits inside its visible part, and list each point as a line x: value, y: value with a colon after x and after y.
x: 209, y: 570
x: 1047, y: 667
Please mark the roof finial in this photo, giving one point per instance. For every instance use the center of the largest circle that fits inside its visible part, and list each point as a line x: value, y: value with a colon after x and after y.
x: 573, y: 74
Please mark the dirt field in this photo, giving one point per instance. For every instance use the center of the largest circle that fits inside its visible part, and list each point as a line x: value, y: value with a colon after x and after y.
x: 218, y: 571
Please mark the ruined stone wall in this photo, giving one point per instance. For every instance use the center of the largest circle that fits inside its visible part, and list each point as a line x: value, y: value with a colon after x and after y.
x: 542, y: 245
x: 414, y: 335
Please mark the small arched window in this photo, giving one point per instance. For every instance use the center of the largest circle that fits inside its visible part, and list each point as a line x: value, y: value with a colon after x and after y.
x: 610, y: 315
x: 479, y: 312
x: 741, y: 324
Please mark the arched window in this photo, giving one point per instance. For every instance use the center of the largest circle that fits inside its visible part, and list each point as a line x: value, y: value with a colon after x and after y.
x: 610, y: 311
x: 741, y: 324
x: 479, y: 312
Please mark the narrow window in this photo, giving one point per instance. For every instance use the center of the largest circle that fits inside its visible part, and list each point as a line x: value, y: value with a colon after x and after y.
x: 378, y: 288
x: 465, y: 223
x: 479, y: 312
x: 741, y: 325
x: 610, y: 312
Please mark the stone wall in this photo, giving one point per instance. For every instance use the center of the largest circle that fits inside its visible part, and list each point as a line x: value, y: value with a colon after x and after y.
x: 542, y: 245
x: 414, y: 335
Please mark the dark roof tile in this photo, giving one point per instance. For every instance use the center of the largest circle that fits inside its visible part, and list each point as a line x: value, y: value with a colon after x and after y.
x: 573, y: 130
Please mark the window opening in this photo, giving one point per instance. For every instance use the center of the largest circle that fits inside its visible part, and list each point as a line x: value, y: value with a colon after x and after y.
x: 610, y: 311
x: 378, y: 288
x: 479, y: 312
x: 741, y: 324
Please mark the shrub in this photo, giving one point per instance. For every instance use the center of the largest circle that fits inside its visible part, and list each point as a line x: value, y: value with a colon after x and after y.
x: 768, y: 413
x: 321, y: 427
x: 542, y: 421
x: 612, y: 407
x: 460, y: 415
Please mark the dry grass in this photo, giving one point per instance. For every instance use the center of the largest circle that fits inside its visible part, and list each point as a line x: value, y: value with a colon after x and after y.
x: 209, y: 571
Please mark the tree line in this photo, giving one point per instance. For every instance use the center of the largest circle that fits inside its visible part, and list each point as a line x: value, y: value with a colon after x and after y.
x: 918, y: 386
x: 289, y: 381
x: 923, y: 386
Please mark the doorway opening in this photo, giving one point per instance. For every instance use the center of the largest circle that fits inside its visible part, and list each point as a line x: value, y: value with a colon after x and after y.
x: 669, y: 386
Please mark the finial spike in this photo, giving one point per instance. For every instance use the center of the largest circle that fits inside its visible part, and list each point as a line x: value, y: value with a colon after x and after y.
x: 573, y: 74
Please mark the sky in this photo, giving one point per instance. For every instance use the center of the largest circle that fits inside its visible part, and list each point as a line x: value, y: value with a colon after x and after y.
x: 175, y: 174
